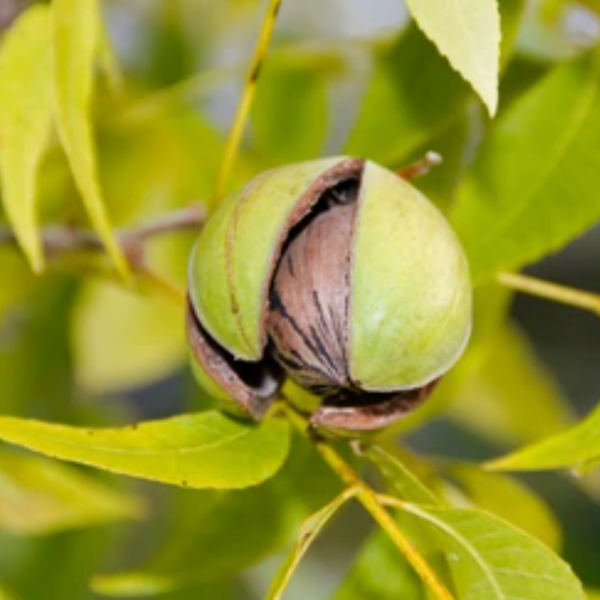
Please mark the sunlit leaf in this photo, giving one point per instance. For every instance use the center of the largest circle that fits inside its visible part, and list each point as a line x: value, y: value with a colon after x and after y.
x: 289, y: 117
x: 309, y: 531
x: 122, y: 340
x: 76, y: 37
x: 198, y: 547
x: 576, y: 447
x: 533, y: 186
x: 38, y: 496
x: 25, y: 123
x: 380, y: 573
x: 467, y: 32
x: 204, y: 450
x: 491, y: 560
x: 505, y: 376
x: 593, y: 595
x: 509, y: 499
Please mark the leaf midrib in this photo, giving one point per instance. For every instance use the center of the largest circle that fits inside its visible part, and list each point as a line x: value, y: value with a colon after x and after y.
x: 465, y: 544
x: 44, y: 436
x: 580, y: 116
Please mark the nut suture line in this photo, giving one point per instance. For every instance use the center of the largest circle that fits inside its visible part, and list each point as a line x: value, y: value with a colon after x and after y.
x: 333, y: 290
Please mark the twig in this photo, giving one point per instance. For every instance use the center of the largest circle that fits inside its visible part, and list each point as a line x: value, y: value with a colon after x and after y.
x: 60, y: 240
x: 243, y: 109
x: 551, y: 291
x: 370, y: 500
x: 420, y: 167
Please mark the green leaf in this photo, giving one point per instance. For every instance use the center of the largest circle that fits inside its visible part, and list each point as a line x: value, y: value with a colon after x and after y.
x: 122, y: 340
x: 76, y: 38
x: 204, y: 450
x: 400, y: 479
x: 198, y: 546
x: 289, y: 115
x: 380, y: 573
x: 309, y: 531
x: 467, y: 33
x: 491, y: 560
x: 509, y: 499
x: 533, y: 185
x: 572, y: 448
x: 504, y: 375
x: 593, y: 595
x: 399, y: 113
x: 25, y: 123
x: 41, y: 497
x: 5, y: 595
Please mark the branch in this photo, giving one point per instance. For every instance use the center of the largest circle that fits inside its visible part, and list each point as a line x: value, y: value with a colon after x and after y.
x: 551, y: 291
x: 371, y: 501
x: 60, y: 239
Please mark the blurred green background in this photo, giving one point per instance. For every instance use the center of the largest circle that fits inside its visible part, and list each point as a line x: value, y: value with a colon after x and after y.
x: 76, y: 348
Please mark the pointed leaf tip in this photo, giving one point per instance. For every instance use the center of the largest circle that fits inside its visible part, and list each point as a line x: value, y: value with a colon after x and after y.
x: 25, y: 124
x: 76, y: 46
x: 467, y: 33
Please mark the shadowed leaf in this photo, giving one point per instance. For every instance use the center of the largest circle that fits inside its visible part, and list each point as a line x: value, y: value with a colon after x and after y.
x: 309, y: 531
x: 533, y: 185
x: 38, y: 496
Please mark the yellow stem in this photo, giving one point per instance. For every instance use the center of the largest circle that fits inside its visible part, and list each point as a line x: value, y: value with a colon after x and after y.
x: 243, y: 109
x: 371, y: 502
x: 551, y: 291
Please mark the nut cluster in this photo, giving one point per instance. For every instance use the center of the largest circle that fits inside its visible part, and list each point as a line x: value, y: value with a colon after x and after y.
x: 337, y: 274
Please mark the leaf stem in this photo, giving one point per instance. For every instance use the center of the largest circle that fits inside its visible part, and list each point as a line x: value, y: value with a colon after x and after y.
x: 243, y: 109
x: 551, y: 291
x: 420, y: 167
x: 370, y: 500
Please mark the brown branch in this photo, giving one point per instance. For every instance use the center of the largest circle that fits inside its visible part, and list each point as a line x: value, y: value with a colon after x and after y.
x: 61, y: 239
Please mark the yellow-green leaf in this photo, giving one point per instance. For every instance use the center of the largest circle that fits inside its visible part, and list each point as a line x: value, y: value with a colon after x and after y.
x: 38, y: 496
x: 122, y: 340
x: 203, y: 450
x: 509, y: 499
x: 532, y: 188
x: 308, y: 533
x: 491, y: 560
x: 76, y: 39
x: 572, y: 448
x: 467, y: 33
x: 399, y: 478
x: 25, y: 123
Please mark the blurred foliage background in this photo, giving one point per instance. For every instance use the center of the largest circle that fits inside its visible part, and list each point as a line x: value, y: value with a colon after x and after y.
x: 76, y: 348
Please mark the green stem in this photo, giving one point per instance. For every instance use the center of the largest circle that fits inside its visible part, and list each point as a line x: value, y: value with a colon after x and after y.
x: 551, y: 291
x: 371, y: 502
